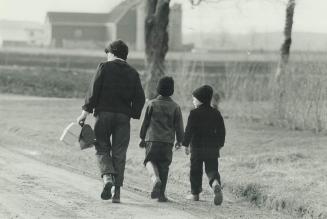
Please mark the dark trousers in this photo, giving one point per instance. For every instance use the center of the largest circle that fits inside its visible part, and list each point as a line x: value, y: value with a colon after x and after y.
x: 211, y: 169
x: 112, y: 132
x: 160, y: 154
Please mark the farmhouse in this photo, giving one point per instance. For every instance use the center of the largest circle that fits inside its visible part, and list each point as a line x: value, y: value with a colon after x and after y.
x: 125, y: 21
x: 21, y: 34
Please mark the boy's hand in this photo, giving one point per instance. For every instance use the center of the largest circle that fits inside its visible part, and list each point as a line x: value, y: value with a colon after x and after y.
x: 187, y: 150
x: 142, y: 143
x: 178, y: 145
x: 80, y: 120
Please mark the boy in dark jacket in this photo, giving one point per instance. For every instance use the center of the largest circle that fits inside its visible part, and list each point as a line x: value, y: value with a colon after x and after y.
x: 205, y: 133
x: 115, y: 96
x: 162, y: 121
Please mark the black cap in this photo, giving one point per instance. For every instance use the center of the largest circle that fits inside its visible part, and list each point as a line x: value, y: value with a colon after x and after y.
x: 165, y: 86
x: 118, y: 48
x: 203, y: 94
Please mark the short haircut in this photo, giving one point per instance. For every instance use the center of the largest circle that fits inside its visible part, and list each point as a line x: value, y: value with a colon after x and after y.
x: 118, y: 48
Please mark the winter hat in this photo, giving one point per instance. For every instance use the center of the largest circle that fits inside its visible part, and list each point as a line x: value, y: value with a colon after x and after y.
x: 165, y: 86
x: 203, y: 94
x: 118, y: 48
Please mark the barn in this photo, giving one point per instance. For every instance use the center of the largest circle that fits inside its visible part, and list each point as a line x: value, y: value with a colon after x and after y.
x: 94, y: 30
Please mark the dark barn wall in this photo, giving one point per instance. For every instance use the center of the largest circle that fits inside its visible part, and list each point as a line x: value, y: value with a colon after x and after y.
x: 126, y: 28
x: 70, y: 32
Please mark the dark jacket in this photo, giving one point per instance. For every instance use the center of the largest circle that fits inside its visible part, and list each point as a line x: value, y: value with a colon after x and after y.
x: 205, y: 131
x: 162, y: 120
x: 116, y: 87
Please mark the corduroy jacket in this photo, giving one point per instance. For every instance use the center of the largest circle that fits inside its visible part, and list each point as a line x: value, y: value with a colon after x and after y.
x: 116, y: 87
x: 205, y: 131
x: 162, y: 121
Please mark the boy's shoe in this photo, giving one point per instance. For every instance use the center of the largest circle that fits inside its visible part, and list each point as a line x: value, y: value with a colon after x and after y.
x: 116, y: 197
x: 162, y: 198
x: 156, y: 189
x: 106, y: 192
x: 218, y: 195
x: 192, y: 197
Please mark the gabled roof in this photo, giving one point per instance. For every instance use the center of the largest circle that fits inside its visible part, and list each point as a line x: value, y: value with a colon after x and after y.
x: 99, y: 18
x: 72, y: 17
x: 121, y: 9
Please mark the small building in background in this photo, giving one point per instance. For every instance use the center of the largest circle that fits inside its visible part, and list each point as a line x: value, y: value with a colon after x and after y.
x: 94, y: 30
x: 22, y: 34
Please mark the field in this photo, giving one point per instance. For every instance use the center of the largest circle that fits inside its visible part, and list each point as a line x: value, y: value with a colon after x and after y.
x: 250, y: 85
x: 271, y: 167
x: 267, y: 172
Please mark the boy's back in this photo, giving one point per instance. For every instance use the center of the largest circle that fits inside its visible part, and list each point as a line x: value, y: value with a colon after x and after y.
x: 162, y: 120
x: 205, y: 131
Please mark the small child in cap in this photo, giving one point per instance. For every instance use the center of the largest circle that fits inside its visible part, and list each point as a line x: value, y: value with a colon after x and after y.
x: 205, y: 134
x: 162, y: 121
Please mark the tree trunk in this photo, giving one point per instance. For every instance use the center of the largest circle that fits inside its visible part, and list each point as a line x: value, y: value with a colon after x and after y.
x: 156, y: 42
x: 285, y: 53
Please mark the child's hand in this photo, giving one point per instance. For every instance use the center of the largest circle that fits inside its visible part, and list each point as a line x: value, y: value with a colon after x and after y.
x: 81, y: 119
x: 142, y: 143
x: 187, y: 150
x: 178, y: 146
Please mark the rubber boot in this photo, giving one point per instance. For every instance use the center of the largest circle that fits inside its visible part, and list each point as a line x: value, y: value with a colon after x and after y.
x: 116, y: 197
x: 218, y: 199
x: 156, y: 182
x: 107, y: 185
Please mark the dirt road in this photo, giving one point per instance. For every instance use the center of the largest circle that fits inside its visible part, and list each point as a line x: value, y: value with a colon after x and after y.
x: 31, y: 189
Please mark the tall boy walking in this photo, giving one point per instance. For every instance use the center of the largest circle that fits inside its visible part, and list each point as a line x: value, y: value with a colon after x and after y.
x: 115, y: 96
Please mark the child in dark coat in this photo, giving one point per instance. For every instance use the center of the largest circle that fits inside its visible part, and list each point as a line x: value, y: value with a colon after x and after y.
x: 162, y: 121
x: 205, y: 133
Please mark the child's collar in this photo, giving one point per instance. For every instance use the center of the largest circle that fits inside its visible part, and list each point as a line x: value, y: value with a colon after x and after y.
x: 160, y: 97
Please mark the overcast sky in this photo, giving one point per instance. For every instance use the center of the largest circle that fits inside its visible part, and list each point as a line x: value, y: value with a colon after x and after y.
x: 250, y: 16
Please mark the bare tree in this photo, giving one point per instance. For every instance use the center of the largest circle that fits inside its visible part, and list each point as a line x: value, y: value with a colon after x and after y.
x: 280, y: 83
x: 283, y: 62
x: 285, y: 49
x: 156, y: 42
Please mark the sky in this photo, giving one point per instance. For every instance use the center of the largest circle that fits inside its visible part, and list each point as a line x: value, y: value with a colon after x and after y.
x: 226, y: 16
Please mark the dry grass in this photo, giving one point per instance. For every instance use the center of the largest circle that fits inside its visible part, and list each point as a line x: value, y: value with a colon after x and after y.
x: 42, y: 81
x: 248, y: 89
x: 305, y: 97
x: 279, y: 170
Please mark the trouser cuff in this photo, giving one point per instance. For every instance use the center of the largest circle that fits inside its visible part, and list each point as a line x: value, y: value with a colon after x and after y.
x: 105, y: 164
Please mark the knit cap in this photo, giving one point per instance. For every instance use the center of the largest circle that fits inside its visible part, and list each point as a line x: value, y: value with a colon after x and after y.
x: 203, y: 94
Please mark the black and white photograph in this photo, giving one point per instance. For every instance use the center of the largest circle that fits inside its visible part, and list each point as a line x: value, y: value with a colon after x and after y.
x: 168, y: 109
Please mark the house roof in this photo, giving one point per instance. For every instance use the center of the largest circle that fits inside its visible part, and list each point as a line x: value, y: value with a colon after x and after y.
x: 72, y: 17
x: 121, y: 9
x: 99, y: 18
